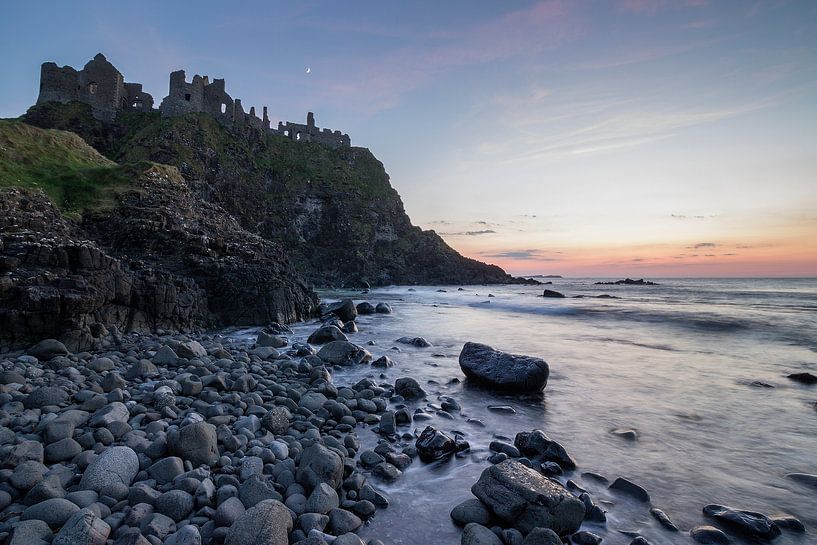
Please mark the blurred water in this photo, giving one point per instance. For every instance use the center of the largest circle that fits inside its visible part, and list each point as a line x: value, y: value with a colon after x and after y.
x: 674, y: 362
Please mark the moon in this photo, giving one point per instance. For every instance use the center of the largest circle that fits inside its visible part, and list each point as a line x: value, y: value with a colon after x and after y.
x: 308, y: 70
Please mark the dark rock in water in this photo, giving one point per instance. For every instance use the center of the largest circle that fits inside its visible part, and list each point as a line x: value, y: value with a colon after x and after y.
x: 550, y: 469
x: 630, y: 488
x: 345, y: 310
x: 664, y: 519
x: 504, y: 409
x: 788, y: 522
x: 434, y: 445
x: 419, y: 342
x: 408, y: 388
x: 595, y: 477
x: 365, y: 308
x: 804, y: 378
x: 502, y: 370
x: 584, y: 537
x: 383, y: 308
x: 469, y: 511
x: 753, y: 525
x: 760, y: 384
x: 326, y: 334
x: 536, y: 443
x: 349, y: 327
x: 266, y: 338
x: 625, y: 433
x: 708, y: 535
x: 344, y: 353
x: 476, y: 534
x: 542, y: 536
x: 383, y: 362
x: 553, y: 294
x: 47, y: 349
x: 524, y: 499
x: 628, y: 282
x: 803, y: 478
x: 639, y: 540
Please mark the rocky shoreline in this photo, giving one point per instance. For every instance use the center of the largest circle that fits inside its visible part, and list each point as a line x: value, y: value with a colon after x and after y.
x: 210, y: 439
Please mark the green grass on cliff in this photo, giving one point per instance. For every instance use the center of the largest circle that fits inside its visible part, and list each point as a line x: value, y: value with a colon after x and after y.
x: 72, y: 173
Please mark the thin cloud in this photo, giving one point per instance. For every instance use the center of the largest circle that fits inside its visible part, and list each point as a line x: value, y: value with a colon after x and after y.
x: 470, y: 233
x: 702, y: 245
x: 524, y: 255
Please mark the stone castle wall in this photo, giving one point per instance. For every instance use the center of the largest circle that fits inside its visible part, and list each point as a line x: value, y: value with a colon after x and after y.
x: 102, y: 86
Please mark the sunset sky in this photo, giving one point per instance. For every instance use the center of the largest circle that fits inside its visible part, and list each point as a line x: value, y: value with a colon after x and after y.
x: 621, y: 138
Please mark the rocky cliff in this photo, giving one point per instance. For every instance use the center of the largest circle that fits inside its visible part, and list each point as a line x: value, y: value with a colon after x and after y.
x: 129, y: 246
x: 334, y: 210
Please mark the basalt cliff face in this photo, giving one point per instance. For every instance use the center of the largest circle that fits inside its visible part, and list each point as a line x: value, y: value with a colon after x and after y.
x: 334, y: 210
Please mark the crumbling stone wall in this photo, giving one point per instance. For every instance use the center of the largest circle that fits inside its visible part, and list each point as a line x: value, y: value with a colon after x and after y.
x: 102, y: 86
x: 98, y: 84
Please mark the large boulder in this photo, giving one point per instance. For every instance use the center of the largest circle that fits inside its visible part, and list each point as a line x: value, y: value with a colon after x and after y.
x: 502, y: 370
x: 267, y: 523
x: 195, y: 442
x: 84, y: 528
x: 524, y: 499
x: 319, y: 465
x: 326, y: 334
x: 116, y: 466
x: 47, y: 349
x: 409, y: 388
x: 345, y: 310
x: 343, y: 353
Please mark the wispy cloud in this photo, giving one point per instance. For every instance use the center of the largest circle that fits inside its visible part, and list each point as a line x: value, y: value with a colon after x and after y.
x: 470, y: 233
x: 522, y: 255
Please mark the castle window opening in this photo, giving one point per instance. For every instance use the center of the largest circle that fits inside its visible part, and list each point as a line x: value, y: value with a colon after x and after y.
x: 286, y: 133
x: 187, y: 97
x: 298, y: 136
x: 92, y: 87
x: 224, y: 108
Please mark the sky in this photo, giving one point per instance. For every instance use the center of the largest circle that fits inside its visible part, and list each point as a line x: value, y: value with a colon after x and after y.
x: 640, y: 138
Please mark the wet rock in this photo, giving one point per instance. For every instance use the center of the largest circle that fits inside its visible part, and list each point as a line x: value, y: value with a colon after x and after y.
x: 43, y: 396
x: 419, y: 342
x: 630, y: 488
x: 365, y: 308
x: 475, y: 534
x: 748, y: 523
x: 525, y: 500
x: 326, y: 334
x: 342, y: 521
x: 383, y: 308
x: 788, y: 522
x: 196, y: 443
x: 383, y: 362
x: 625, y: 433
x: 265, y: 338
x: 584, y: 537
x: 469, y: 511
x: 115, y: 467
x: 408, y: 388
x: 536, y: 443
x: 708, y: 535
x: 345, y: 310
x: 343, y: 353
x: 553, y: 294
x: 803, y: 378
x: 803, y: 478
x: 502, y: 370
x: 664, y: 519
x: 434, y: 445
x: 323, y: 499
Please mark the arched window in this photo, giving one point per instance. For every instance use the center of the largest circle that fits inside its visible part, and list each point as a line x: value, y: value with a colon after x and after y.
x: 92, y: 87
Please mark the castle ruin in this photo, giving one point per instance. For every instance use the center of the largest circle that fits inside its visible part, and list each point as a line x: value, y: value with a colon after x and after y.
x: 100, y: 85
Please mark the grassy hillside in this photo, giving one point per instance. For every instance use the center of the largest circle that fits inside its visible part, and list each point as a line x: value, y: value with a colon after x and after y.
x: 73, y: 174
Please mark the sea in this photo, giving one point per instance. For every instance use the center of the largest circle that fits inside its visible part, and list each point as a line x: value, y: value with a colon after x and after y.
x: 696, y: 367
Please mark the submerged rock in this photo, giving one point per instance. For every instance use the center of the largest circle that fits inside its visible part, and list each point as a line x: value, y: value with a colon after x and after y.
x: 748, y: 523
x: 708, y: 535
x: 804, y: 378
x: 524, y: 499
x: 502, y: 370
x: 536, y: 443
x: 553, y: 294
x: 630, y: 488
x: 345, y: 310
x: 344, y: 353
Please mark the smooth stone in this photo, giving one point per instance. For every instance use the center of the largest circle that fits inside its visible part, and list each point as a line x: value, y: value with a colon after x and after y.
x: 323, y: 499
x: 54, y: 512
x: 434, y: 445
x: 196, y: 443
x: 542, y: 536
x: 751, y: 524
x: 408, y: 388
x: 708, y: 535
x: 664, y: 519
x: 47, y: 349
x: 503, y: 370
x: 475, y: 534
x: 471, y: 510
x: 186, y: 535
x: 630, y: 488
x: 342, y: 521
x: 114, y: 466
x: 343, y: 353
x: 319, y: 465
